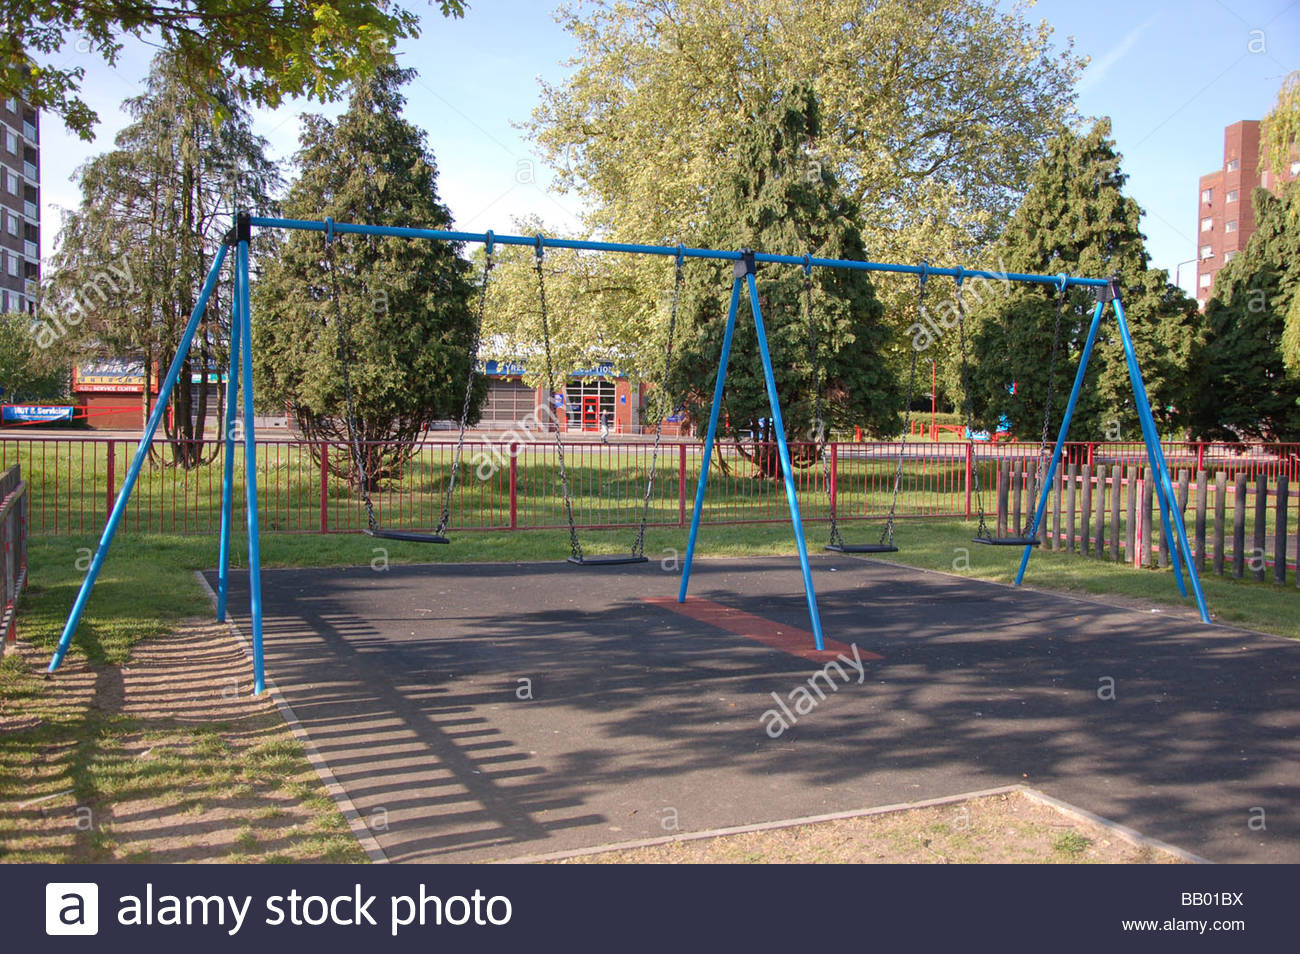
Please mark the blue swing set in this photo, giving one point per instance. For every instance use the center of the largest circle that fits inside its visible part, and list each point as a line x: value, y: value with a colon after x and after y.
x: 745, y: 267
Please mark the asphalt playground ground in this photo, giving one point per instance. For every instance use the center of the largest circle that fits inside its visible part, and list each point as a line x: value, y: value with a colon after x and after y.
x: 479, y: 712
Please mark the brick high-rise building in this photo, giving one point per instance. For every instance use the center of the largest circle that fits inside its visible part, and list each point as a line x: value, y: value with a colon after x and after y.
x: 20, y: 207
x: 1227, y: 218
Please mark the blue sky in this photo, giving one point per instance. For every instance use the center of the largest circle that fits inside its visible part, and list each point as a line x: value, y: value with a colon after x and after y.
x: 1170, y: 75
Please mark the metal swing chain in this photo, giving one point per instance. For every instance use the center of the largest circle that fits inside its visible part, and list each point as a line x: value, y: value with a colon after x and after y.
x: 575, y: 546
x: 1039, y: 474
x: 354, y: 444
x: 445, y: 518
x: 983, y: 531
x: 638, y: 546
x: 887, y: 535
x: 820, y: 432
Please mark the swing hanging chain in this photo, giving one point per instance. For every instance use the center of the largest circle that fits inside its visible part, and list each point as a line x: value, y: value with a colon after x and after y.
x: 1063, y: 300
x: 638, y: 546
x: 983, y: 531
x: 575, y: 546
x: 354, y: 444
x: 475, y: 340
x: 819, y: 428
x: 887, y: 535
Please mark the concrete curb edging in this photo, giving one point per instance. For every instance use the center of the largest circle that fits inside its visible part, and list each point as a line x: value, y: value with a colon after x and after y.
x: 1127, y: 834
x: 336, y: 791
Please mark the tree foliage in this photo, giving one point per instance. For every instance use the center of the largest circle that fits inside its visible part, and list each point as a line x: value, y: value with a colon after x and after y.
x: 256, y: 53
x: 28, y: 373
x: 1281, y: 127
x: 1075, y: 219
x: 768, y: 197
x: 405, y: 303
x: 1243, y: 387
x: 132, y: 257
x: 933, y: 111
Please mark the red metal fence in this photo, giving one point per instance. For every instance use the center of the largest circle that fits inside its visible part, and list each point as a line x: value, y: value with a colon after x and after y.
x: 515, y: 485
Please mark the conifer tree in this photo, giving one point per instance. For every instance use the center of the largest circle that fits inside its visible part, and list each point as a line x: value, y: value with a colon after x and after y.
x: 1075, y: 219
x: 773, y: 195
x: 405, y: 303
x: 1244, y: 389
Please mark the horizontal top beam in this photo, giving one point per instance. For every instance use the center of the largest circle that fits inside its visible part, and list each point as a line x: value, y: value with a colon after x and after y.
x: 544, y: 242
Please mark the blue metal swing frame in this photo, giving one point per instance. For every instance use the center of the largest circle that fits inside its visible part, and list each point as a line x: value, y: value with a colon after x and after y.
x: 745, y: 268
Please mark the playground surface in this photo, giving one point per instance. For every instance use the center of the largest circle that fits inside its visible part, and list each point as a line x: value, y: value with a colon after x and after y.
x: 488, y: 711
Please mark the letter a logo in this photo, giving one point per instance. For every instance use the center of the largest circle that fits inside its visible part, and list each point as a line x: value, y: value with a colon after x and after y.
x: 71, y: 908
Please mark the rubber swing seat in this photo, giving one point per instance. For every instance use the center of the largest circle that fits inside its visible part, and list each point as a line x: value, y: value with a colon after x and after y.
x: 614, y: 559
x: 406, y: 535
x: 862, y: 548
x: 1008, y: 541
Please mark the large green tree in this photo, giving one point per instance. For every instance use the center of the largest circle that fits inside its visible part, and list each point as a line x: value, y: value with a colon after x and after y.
x: 1076, y: 219
x: 405, y: 304
x: 934, y: 111
x: 255, y: 53
x: 769, y: 196
x: 1244, y: 389
x: 1278, y: 150
x: 132, y: 256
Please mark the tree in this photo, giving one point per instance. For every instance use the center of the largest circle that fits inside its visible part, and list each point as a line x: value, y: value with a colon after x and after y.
x: 28, y: 373
x: 770, y: 197
x: 1244, y: 390
x: 405, y: 303
x: 1076, y: 219
x: 933, y: 111
x: 1281, y: 133
x: 255, y: 53
x: 132, y: 257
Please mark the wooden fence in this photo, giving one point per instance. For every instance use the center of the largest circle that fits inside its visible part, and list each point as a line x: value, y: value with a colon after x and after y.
x: 1236, y: 523
x: 13, y: 547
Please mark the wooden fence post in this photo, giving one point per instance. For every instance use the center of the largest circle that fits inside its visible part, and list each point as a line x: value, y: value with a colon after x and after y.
x: 1239, y: 528
x: 1116, y: 482
x: 1148, y: 519
x: 1220, y: 518
x: 1017, y: 485
x: 1261, y: 525
x: 1130, y: 530
x: 1202, y: 491
x: 1004, y: 483
x: 1279, y: 531
x: 1056, y: 508
x: 1100, y: 548
x: 1069, y: 508
x: 1085, y: 512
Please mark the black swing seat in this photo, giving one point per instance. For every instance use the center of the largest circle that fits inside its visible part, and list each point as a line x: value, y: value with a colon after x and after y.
x: 1008, y: 541
x: 862, y: 547
x: 612, y: 559
x: 407, y: 535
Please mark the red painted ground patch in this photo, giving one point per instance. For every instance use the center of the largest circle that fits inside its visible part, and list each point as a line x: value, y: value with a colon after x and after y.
x: 789, y: 639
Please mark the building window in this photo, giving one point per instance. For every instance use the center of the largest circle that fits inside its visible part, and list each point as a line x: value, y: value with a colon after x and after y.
x: 11, y: 182
x: 1207, y: 225
x: 1233, y: 165
x: 1207, y: 196
x: 1231, y: 226
x: 11, y: 141
x: 13, y: 264
x: 586, y: 401
x: 1229, y: 256
x: 1206, y: 279
x: 1207, y: 251
x: 1231, y: 196
x: 13, y: 223
x: 11, y: 104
